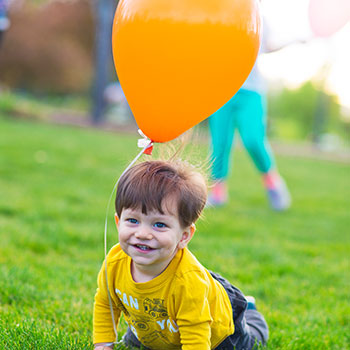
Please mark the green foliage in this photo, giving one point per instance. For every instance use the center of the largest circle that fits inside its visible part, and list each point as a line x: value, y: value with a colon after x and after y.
x: 297, y: 105
x: 305, y: 113
x: 55, y: 184
x: 28, y: 105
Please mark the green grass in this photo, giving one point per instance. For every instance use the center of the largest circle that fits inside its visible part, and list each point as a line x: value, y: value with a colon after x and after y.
x: 26, y: 105
x: 54, y: 185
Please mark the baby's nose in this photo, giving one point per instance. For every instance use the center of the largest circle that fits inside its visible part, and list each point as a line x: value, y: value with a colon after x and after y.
x: 144, y: 232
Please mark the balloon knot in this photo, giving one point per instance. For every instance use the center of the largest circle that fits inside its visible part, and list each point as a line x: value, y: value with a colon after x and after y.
x: 145, y: 143
x: 149, y: 149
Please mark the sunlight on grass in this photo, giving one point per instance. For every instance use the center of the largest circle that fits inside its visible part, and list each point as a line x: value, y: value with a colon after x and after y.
x: 55, y: 183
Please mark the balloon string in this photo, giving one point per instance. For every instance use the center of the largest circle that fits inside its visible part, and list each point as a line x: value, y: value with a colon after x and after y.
x: 105, y: 233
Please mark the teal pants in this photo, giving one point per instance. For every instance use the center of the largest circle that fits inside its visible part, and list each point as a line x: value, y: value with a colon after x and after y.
x: 246, y: 111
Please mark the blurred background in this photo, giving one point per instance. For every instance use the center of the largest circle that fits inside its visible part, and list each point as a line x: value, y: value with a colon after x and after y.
x: 56, y: 65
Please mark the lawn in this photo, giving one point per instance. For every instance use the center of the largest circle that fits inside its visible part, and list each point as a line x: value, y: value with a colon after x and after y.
x: 55, y: 183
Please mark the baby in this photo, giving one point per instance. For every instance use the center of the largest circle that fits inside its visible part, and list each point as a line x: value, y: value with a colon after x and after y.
x: 169, y: 300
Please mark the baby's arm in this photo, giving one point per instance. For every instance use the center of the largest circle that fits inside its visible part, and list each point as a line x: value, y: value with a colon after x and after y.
x: 192, y: 313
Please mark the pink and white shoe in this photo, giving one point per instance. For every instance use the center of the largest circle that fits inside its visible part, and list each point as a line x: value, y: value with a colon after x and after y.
x: 218, y: 195
x: 277, y: 191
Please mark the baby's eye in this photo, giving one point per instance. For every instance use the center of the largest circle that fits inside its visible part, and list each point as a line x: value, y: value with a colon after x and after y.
x: 160, y: 225
x: 132, y: 221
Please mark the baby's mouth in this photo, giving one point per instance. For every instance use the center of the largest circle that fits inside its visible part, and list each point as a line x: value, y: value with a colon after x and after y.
x: 143, y: 247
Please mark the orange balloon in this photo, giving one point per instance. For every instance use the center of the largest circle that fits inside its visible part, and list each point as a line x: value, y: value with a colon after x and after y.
x: 178, y: 61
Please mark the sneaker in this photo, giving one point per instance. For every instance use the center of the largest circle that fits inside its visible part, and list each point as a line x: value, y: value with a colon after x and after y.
x: 279, y: 197
x: 218, y: 195
x: 277, y: 191
x: 251, y: 303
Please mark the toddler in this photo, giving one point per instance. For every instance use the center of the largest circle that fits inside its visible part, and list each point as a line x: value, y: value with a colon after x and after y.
x: 169, y: 300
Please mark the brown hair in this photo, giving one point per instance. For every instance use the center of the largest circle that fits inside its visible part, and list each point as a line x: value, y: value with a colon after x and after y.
x: 145, y: 185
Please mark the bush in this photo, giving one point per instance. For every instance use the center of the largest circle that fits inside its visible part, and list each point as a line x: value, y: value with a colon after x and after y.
x: 49, y: 48
x: 305, y: 113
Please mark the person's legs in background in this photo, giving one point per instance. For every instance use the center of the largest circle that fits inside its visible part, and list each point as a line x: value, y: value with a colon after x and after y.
x: 251, y: 123
x: 221, y: 125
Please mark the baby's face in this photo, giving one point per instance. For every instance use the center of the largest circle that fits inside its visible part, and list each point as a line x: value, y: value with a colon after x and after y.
x: 151, y: 240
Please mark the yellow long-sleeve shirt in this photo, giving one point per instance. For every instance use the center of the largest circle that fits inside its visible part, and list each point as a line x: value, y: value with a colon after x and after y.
x: 182, y: 308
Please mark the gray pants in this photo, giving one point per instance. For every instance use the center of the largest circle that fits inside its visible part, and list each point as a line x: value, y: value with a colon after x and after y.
x: 250, y: 326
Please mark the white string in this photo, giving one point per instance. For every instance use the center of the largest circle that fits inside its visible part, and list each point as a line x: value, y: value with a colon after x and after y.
x: 149, y: 144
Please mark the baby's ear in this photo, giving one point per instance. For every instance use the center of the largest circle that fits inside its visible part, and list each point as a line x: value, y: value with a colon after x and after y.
x: 192, y: 229
x: 116, y: 218
x: 187, y: 236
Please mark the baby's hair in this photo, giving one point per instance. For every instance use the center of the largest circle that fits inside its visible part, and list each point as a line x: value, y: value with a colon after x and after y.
x: 147, y: 184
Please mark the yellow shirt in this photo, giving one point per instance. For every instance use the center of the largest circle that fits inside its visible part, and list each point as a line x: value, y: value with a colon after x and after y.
x: 182, y: 308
